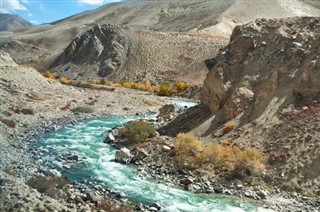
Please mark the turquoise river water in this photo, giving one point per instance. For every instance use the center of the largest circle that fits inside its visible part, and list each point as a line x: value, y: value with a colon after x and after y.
x: 86, y: 139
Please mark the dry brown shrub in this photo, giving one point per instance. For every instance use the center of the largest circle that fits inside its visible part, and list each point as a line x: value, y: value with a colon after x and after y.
x: 9, y: 123
x: 9, y: 171
x: 249, y: 159
x: 185, y: 148
x: 228, y: 127
x: 220, y: 156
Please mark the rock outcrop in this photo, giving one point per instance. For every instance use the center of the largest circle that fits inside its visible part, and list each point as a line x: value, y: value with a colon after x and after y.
x: 98, y: 52
x: 264, y: 60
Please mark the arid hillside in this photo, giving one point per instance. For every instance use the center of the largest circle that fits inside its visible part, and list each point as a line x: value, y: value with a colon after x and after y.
x: 168, y: 39
x: 263, y: 92
x: 13, y: 22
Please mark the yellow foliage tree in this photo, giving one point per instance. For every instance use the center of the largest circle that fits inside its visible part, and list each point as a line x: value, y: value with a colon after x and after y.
x: 165, y: 89
x: 180, y: 86
x: 48, y: 74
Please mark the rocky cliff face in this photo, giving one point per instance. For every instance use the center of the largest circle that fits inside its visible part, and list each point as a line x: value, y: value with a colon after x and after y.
x: 265, y: 59
x: 265, y: 84
x: 97, y: 52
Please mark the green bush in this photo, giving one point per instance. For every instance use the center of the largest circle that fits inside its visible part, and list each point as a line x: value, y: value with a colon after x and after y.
x: 138, y: 131
x: 81, y: 109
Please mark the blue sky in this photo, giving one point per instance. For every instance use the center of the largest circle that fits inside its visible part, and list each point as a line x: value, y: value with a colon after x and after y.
x: 46, y: 11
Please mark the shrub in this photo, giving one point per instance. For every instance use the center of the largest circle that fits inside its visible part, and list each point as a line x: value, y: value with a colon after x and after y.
x: 43, y: 184
x: 180, y: 86
x: 189, y: 151
x: 104, y: 81
x: 186, y: 147
x: 9, y: 123
x: 249, y: 160
x: 64, y: 80
x: 165, y: 89
x: 48, y: 74
x: 228, y: 127
x: 220, y: 156
x: 138, y: 131
x: 9, y: 171
x: 81, y: 109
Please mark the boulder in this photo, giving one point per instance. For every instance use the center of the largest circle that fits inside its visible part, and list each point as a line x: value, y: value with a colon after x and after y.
x: 92, y: 197
x: 109, y: 138
x: 155, y: 205
x: 27, y: 111
x: 166, y: 110
x: 140, y: 154
x: 123, y: 155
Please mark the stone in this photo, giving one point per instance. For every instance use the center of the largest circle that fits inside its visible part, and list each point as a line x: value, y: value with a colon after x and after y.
x: 166, y: 110
x: 153, y: 209
x: 262, y: 194
x: 166, y: 148
x: 27, y: 111
x: 155, y: 205
x: 140, y: 155
x: 186, y: 181
x: 109, y: 138
x: 92, y: 197
x: 123, y: 155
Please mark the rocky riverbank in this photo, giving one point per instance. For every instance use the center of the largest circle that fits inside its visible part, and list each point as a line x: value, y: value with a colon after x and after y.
x: 154, y: 159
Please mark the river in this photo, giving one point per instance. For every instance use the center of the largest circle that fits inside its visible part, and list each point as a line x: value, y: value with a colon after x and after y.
x: 85, y: 138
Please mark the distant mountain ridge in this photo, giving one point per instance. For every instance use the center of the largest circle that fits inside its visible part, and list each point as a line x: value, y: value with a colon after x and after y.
x: 9, y: 22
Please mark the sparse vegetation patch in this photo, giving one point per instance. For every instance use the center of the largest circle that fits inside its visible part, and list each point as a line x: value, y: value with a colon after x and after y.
x: 82, y: 109
x: 138, y: 131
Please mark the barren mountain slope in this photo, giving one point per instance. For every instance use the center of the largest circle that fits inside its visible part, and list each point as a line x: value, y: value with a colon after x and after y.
x: 10, y: 22
x: 266, y: 85
x: 136, y: 16
x: 136, y: 55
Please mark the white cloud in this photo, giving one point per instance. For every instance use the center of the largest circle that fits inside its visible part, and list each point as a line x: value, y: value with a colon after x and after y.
x: 30, y: 14
x: 97, y: 2
x: 7, y: 6
x: 35, y: 22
